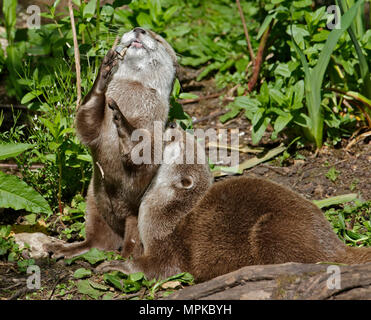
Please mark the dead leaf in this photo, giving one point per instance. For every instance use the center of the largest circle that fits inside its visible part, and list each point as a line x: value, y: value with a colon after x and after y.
x: 171, y: 285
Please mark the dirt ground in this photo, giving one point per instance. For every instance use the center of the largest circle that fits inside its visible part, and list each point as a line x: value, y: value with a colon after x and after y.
x: 307, y: 176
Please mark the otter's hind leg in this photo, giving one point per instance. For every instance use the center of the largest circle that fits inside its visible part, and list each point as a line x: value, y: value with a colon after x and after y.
x: 98, y: 234
x: 132, y: 245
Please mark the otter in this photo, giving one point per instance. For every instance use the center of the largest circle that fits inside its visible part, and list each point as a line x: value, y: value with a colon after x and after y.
x: 236, y: 222
x: 138, y: 78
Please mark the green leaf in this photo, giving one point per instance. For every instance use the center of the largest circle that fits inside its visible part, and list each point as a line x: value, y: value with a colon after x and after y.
x: 268, y: 19
x: 16, y: 194
x: 144, y: 20
x: 136, y: 276
x: 281, y: 122
x: 84, y: 287
x: 188, y: 96
x: 31, y: 218
x: 94, y: 255
x: 114, y: 279
x: 259, y: 129
x: 89, y: 9
x: 277, y: 96
x: 82, y: 273
x: 213, y: 66
x: 335, y: 200
x: 283, y: 70
x: 11, y: 150
x: 233, y: 113
x: 219, y: 171
x: 302, y: 3
x: 98, y: 286
x: 30, y: 96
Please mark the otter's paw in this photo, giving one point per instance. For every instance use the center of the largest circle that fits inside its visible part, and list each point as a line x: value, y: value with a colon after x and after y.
x: 56, y: 249
x: 122, y: 266
x: 109, y: 61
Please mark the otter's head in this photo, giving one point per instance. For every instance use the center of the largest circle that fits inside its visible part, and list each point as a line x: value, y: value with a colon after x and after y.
x: 180, y: 180
x: 149, y: 59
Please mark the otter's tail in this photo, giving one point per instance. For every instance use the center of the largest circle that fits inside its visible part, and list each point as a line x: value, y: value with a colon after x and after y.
x: 355, y: 255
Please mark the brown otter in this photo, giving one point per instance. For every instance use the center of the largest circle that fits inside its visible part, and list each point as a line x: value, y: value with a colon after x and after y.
x: 141, y: 87
x: 237, y: 222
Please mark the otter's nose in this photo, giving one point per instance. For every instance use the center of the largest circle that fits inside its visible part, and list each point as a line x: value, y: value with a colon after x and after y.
x: 138, y: 31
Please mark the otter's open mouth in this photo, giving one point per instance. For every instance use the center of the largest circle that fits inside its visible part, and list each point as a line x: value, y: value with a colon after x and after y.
x: 136, y: 44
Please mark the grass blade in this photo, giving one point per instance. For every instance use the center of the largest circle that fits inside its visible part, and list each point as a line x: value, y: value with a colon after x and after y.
x: 335, y: 200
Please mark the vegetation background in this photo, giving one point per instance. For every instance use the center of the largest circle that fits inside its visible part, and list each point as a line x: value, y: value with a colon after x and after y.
x: 299, y: 91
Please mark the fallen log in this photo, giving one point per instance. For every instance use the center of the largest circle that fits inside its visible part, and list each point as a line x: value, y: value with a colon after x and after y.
x: 285, y: 282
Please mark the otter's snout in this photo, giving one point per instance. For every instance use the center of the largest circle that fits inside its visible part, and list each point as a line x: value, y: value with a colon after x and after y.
x: 139, y: 31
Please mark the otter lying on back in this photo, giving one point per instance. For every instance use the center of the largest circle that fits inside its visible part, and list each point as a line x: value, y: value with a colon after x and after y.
x: 237, y: 222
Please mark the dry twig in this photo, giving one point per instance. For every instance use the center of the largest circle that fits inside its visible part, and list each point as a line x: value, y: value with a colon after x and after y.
x: 251, y: 51
x: 77, y: 54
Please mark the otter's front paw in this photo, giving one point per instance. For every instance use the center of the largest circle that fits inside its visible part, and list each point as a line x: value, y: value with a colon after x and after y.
x: 122, y: 266
x: 109, y: 61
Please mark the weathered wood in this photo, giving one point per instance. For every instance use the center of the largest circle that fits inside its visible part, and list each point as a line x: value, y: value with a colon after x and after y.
x: 284, y: 281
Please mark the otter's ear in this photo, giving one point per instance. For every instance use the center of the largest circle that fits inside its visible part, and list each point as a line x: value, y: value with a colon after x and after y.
x: 186, y: 182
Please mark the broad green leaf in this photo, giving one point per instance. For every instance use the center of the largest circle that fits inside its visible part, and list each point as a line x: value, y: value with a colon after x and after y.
x: 11, y: 150
x: 136, y: 276
x: 94, y: 255
x: 89, y: 9
x: 16, y: 194
x: 283, y: 70
x: 84, y: 287
x: 30, y: 96
x: 281, y: 122
x: 259, y: 129
x: 85, y: 157
x: 114, y: 279
x: 82, y: 273
x: 277, y: 96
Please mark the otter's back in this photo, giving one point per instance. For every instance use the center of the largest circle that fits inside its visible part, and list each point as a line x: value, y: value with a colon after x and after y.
x: 249, y: 221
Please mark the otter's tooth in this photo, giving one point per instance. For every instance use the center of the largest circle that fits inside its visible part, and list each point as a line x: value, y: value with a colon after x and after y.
x: 121, y: 50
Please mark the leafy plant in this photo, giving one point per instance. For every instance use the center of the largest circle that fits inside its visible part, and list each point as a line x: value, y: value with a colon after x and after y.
x: 15, y: 193
x: 352, y: 223
x: 314, y: 78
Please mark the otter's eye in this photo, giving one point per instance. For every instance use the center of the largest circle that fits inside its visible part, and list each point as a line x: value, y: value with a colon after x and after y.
x: 115, y: 117
x: 187, y: 182
x: 172, y: 125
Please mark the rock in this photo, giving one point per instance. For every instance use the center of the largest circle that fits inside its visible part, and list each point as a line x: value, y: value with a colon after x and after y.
x: 35, y: 242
